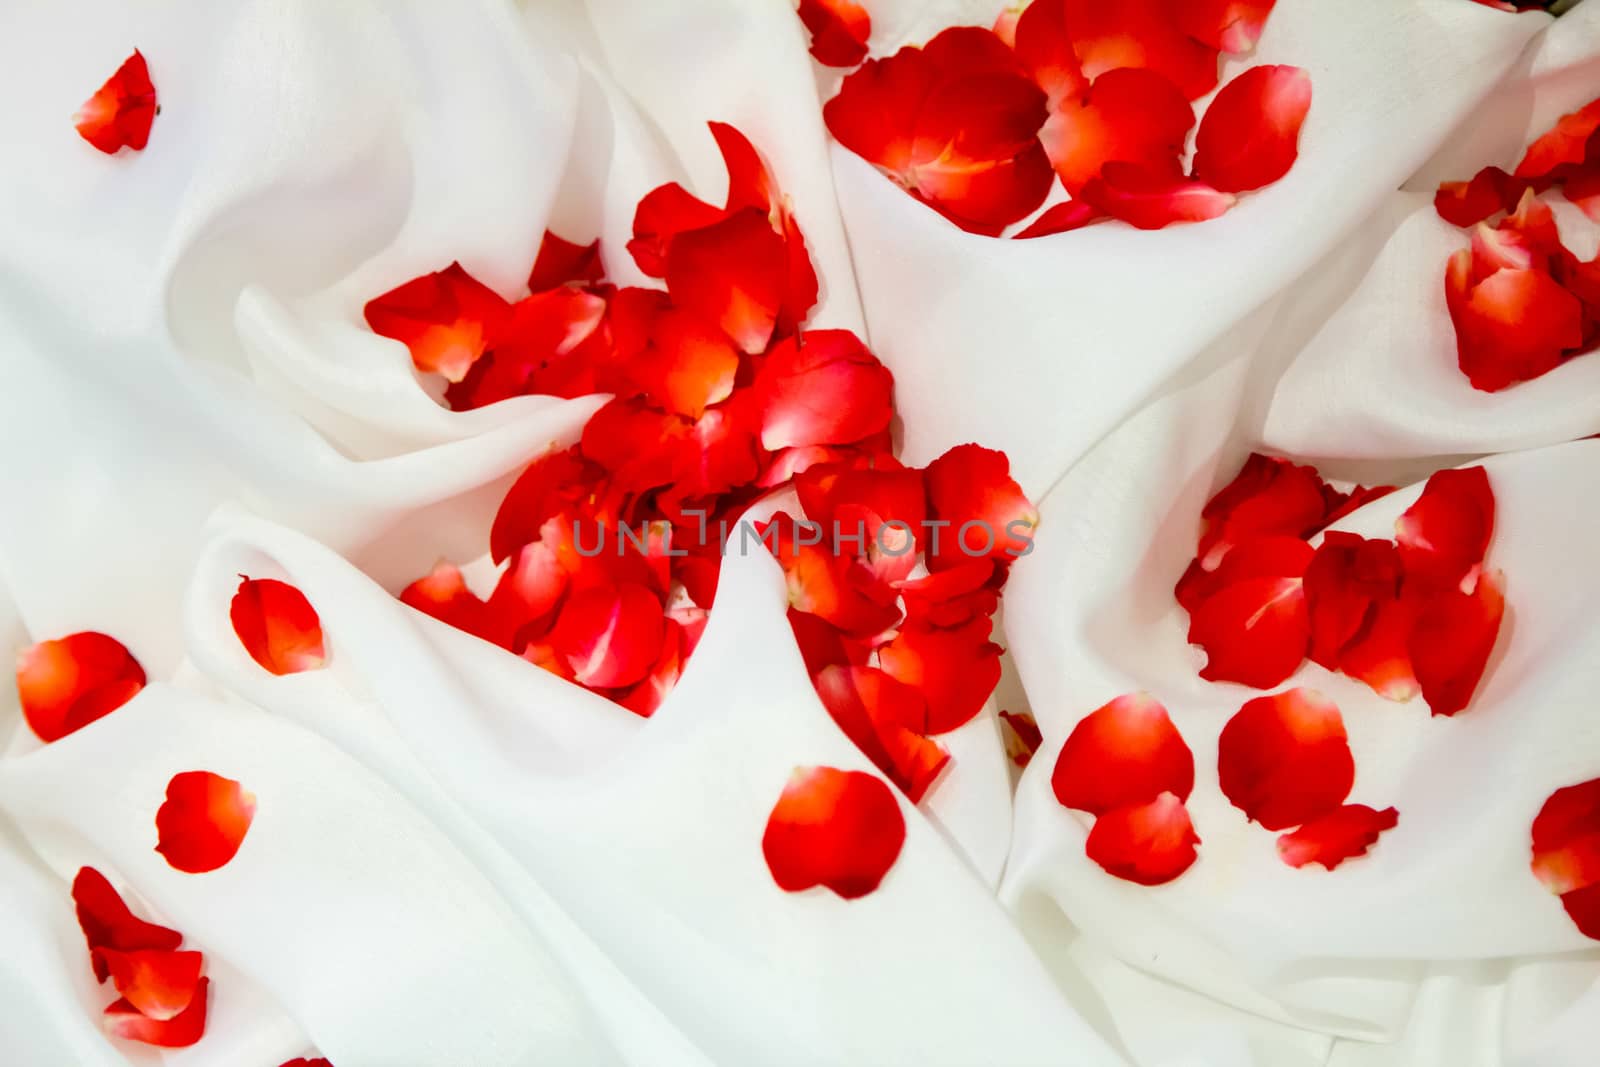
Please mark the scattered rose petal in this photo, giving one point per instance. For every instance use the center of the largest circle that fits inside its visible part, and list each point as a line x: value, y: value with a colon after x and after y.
x: 1140, y: 33
x: 1150, y: 844
x: 66, y: 684
x: 1129, y: 116
x: 107, y: 922
x: 970, y: 488
x: 839, y: 31
x: 1253, y: 623
x: 561, y: 262
x: 956, y: 669
x: 1124, y: 754
x: 277, y: 625
x: 1284, y: 759
x: 888, y: 721
x: 1269, y: 496
x: 610, y: 636
x: 1342, y: 834
x: 834, y: 828
x: 1347, y: 581
x: 1022, y: 737
x: 447, y: 319
x: 1250, y: 134
x: 1444, y: 536
x: 823, y: 387
x: 733, y: 273
x: 159, y: 984
x: 203, y: 821
x: 121, y: 112
x: 1061, y: 218
x: 1451, y: 641
x: 1565, y: 144
x: 1228, y: 25
x: 1151, y: 200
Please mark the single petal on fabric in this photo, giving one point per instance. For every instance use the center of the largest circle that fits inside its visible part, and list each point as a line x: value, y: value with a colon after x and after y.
x: 107, y: 922
x: 822, y: 387
x: 988, y: 197
x: 448, y: 319
x: 1227, y: 25
x: 1022, y: 737
x: 734, y: 274
x: 203, y: 821
x: 1340, y: 835
x: 1151, y: 200
x: 1140, y: 33
x: 1468, y: 203
x: 1270, y: 496
x: 1583, y: 907
x: 1380, y: 655
x: 120, y: 113
x: 1043, y: 45
x: 1250, y: 134
x: 955, y: 668
x: 887, y: 720
x: 1252, y: 620
x: 1150, y: 844
x: 1346, y: 581
x: 1444, y: 536
x: 1452, y: 639
x: 159, y: 984
x: 561, y: 262
x: 303, y: 1062
x: 1130, y: 115
x: 277, y: 625
x: 1566, y: 838
x: 123, y: 1020
x: 988, y: 516
x: 648, y: 694
x: 65, y: 684
x: 1123, y: 754
x: 1284, y: 759
x: 1059, y: 218
x: 839, y: 30
x: 610, y: 637
x: 838, y: 829
x: 1563, y: 144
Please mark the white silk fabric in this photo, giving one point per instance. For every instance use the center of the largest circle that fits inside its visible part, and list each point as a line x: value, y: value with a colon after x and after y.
x: 461, y: 860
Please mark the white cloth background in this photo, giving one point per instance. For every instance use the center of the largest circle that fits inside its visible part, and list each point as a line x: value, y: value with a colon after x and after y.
x: 461, y: 860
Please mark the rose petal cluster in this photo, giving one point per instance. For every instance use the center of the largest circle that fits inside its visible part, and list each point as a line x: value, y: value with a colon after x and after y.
x: 161, y: 991
x: 980, y: 124
x: 1419, y: 614
x: 1520, y: 301
x: 894, y: 575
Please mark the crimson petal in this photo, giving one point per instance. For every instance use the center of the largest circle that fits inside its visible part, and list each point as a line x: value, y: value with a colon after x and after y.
x: 203, y: 821
x: 1284, y: 759
x: 66, y: 684
x: 1150, y: 844
x: 839, y: 829
x: 121, y: 112
x: 1343, y: 834
x: 1123, y: 754
x: 277, y: 625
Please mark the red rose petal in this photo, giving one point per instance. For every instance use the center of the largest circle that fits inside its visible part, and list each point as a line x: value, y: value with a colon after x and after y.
x: 1150, y: 200
x: 989, y: 517
x: 159, y: 984
x: 1452, y: 639
x: 1124, y: 754
x: 691, y: 365
x: 1044, y: 48
x: 956, y: 669
x: 1250, y: 134
x: 887, y: 720
x: 447, y: 319
x: 1284, y: 759
x: 1268, y: 497
x: 303, y: 1062
x: 839, y: 829
x: 443, y: 594
x: 665, y: 212
x: 1444, y: 536
x: 1566, y: 839
x: 839, y: 31
x: 561, y: 262
x: 733, y: 273
x: 121, y: 111
x: 1511, y: 327
x: 123, y: 1020
x: 277, y: 625
x: 107, y: 922
x: 1346, y: 582
x: 1564, y: 144
x: 203, y: 821
x: 1150, y: 844
x: 1129, y: 116
x: 66, y: 684
x: 835, y: 588
x: 1468, y: 203
x: 1022, y: 737
x: 1228, y: 25
x: 1140, y: 33
x: 1254, y: 624
x: 1061, y: 218
x: 1380, y: 656
x: 554, y: 483
x: 875, y: 111
x: 1343, y: 834
x: 822, y: 388
x: 610, y: 636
